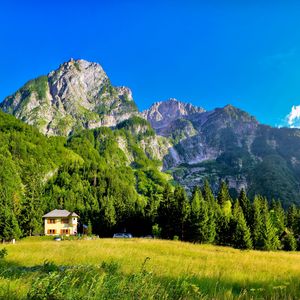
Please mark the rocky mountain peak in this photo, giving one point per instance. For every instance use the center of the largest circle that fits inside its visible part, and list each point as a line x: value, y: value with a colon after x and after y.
x: 76, y: 95
x: 161, y: 114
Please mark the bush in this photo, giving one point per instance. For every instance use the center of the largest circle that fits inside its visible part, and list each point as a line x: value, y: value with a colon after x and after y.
x: 156, y: 230
x: 289, y: 242
x: 3, y: 253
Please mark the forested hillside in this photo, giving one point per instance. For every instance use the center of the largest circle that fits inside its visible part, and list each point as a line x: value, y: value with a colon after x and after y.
x: 87, y: 173
x: 115, y: 189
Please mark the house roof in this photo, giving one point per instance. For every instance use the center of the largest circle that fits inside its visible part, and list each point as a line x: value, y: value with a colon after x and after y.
x: 60, y: 213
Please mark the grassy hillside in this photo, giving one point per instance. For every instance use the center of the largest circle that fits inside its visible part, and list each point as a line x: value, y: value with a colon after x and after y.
x: 144, y: 269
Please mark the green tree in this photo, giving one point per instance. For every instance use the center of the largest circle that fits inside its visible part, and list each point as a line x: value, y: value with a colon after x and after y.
x: 223, y: 216
x: 257, y: 226
x: 277, y: 215
x: 213, y: 208
x: 182, y: 211
x: 167, y: 213
x: 242, y: 235
x: 293, y: 219
x: 198, y: 229
x: 246, y: 206
x: 10, y: 228
x: 289, y: 242
x: 89, y: 228
x: 269, y: 234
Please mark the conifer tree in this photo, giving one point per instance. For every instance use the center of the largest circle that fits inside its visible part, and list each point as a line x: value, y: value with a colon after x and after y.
x: 223, y: 216
x: 224, y: 200
x: 212, y: 210
x: 270, y: 239
x: 289, y: 242
x: 11, y: 229
x: 257, y: 226
x: 199, y: 230
x: 246, y: 206
x: 182, y: 211
x: 241, y: 235
x: 293, y: 219
x: 207, y: 193
x: 211, y: 226
x: 277, y: 215
x: 193, y: 234
x: 166, y: 213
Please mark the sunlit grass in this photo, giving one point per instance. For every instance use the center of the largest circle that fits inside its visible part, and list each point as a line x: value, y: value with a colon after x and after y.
x: 229, y: 270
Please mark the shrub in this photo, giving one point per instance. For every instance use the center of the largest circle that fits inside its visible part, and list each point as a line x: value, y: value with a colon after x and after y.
x: 3, y: 253
x: 289, y: 242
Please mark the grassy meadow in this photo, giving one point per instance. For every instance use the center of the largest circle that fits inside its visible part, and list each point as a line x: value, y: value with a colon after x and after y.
x: 40, y: 268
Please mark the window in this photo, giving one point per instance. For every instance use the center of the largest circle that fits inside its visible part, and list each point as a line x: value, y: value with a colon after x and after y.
x: 65, y: 231
x: 51, y: 221
x: 51, y: 231
x: 65, y: 221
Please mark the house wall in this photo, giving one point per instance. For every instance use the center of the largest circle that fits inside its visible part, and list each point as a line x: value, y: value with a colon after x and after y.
x: 58, y: 225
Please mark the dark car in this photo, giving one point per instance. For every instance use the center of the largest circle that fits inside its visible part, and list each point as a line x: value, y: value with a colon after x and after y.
x: 123, y: 235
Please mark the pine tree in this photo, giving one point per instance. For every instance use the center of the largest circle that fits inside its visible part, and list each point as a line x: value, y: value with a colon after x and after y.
x: 207, y: 193
x: 223, y: 216
x: 224, y: 199
x: 194, y: 216
x: 257, y: 226
x: 11, y: 229
x: 242, y: 235
x: 212, y: 211
x: 270, y: 239
x: 199, y: 230
x: 246, y: 206
x: 293, y: 219
x: 277, y: 215
x: 167, y: 213
x: 182, y: 211
x: 211, y: 226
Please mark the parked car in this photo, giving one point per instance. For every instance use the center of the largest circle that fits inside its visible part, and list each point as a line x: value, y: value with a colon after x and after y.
x: 123, y: 235
x: 149, y: 236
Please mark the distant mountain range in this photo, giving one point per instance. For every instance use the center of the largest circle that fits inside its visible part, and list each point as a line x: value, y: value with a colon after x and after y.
x: 192, y: 143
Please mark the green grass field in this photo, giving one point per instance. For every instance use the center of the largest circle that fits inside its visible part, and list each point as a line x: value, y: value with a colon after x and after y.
x: 39, y: 268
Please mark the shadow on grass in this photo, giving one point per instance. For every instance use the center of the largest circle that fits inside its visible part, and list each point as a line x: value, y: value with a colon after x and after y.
x: 106, y: 281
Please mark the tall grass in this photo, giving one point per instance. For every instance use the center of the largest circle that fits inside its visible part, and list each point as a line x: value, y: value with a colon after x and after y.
x: 145, y: 269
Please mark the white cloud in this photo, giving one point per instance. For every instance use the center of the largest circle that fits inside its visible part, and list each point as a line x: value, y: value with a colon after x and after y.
x: 293, y: 118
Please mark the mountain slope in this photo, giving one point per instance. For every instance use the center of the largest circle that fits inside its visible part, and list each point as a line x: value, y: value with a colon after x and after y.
x: 89, y: 172
x: 76, y: 95
x: 229, y: 144
x: 190, y: 143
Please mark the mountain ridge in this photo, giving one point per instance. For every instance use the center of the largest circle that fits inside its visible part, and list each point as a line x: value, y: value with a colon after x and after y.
x: 193, y: 144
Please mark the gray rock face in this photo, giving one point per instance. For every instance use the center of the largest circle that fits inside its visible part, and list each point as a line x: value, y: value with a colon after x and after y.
x: 76, y: 95
x: 202, y: 140
x: 162, y: 114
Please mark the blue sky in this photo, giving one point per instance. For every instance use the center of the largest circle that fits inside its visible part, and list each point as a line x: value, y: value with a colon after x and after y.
x: 209, y: 53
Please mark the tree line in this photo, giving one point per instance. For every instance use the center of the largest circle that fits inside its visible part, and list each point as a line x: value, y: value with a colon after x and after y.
x: 221, y: 220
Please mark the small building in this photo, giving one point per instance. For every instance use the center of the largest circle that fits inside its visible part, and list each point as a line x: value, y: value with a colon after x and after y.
x: 60, y: 222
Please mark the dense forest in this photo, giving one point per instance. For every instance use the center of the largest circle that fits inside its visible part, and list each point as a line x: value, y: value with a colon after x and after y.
x: 115, y: 191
